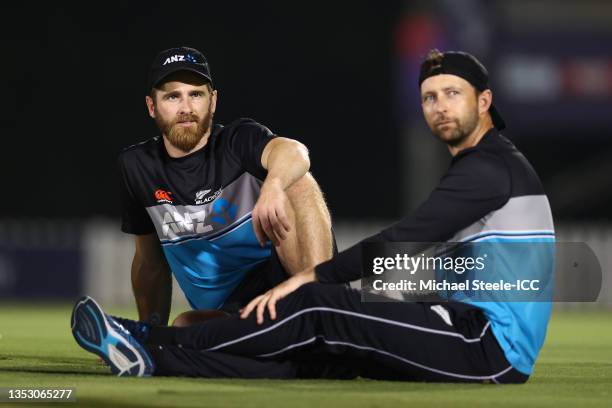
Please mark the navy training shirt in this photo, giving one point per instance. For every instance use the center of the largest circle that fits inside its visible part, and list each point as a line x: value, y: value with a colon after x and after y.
x: 200, y: 207
x: 490, y: 194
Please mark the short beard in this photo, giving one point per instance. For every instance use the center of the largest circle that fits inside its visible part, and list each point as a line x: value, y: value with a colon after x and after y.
x: 185, y: 138
x: 463, y: 130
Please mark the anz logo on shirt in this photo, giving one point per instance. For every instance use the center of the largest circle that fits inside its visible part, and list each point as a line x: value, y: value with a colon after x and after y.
x: 177, y: 223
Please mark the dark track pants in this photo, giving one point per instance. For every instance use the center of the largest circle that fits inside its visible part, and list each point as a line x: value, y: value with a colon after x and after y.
x: 325, y: 331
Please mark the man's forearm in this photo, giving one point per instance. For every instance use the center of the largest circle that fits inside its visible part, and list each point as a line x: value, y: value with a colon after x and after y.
x: 152, y: 285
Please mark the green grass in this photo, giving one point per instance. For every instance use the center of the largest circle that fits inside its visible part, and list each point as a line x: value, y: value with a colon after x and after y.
x: 37, y: 350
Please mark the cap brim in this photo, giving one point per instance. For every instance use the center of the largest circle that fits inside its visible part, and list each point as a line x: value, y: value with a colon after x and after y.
x: 497, y: 119
x: 177, y: 68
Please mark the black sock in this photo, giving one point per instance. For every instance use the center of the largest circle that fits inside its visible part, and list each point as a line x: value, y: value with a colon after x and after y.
x: 161, y: 335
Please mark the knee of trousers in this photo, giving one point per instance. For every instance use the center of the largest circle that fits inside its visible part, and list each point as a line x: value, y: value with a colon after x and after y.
x: 308, y: 294
x: 317, y: 294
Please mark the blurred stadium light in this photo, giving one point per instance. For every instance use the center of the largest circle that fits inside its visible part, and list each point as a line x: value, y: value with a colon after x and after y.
x: 550, y: 65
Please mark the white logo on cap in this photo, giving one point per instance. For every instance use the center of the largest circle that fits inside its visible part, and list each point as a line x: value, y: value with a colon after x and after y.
x: 178, y: 58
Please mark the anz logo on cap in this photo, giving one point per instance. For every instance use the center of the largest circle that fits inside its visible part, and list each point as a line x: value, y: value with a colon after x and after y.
x: 178, y: 58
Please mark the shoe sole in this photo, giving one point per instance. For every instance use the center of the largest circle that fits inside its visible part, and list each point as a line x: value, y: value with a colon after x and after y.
x: 93, y: 332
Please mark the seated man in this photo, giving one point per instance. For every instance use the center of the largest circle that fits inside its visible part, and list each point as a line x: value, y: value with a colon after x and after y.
x: 320, y: 328
x: 204, y: 200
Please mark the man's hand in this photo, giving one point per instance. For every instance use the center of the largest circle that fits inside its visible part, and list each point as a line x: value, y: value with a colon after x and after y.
x: 286, y: 161
x: 270, y: 298
x: 270, y: 219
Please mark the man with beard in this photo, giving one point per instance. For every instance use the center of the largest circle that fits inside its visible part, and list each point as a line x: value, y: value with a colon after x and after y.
x: 229, y: 210
x: 490, y: 194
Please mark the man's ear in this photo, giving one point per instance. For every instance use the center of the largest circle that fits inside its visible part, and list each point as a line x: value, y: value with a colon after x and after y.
x: 213, y: 101
x: 485, y: 98
x: 150, y: 106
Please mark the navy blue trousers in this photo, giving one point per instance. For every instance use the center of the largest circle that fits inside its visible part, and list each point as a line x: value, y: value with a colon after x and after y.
x: 326, y: 331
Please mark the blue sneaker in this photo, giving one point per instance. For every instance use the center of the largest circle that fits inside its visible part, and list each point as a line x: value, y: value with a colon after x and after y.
x: 100, y: 334
x: 140, y: 330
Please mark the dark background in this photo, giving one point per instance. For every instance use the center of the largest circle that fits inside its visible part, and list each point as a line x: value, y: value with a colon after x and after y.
x: 75, y: 81
x: 325, y: 73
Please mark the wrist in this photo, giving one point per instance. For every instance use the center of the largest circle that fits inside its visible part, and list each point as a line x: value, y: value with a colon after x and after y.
x: 308, y: 276
x: 273, y: 182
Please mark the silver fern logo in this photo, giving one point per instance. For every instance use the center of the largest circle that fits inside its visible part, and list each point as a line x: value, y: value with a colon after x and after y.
x: 200, y: 194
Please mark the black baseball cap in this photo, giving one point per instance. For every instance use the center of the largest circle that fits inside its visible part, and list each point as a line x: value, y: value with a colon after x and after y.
x: 178, y: 59
x: 466, y: 66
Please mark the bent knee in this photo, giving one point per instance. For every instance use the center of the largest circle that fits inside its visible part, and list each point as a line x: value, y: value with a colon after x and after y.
x: 305, y: 185
x: 317, y: 294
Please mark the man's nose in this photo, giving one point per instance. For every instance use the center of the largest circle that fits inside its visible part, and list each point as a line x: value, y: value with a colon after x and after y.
x: 185, y: 106
x: 440, y: 106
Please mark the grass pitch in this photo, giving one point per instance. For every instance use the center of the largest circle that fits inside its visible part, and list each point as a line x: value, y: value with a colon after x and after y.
x: 37, y: 350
